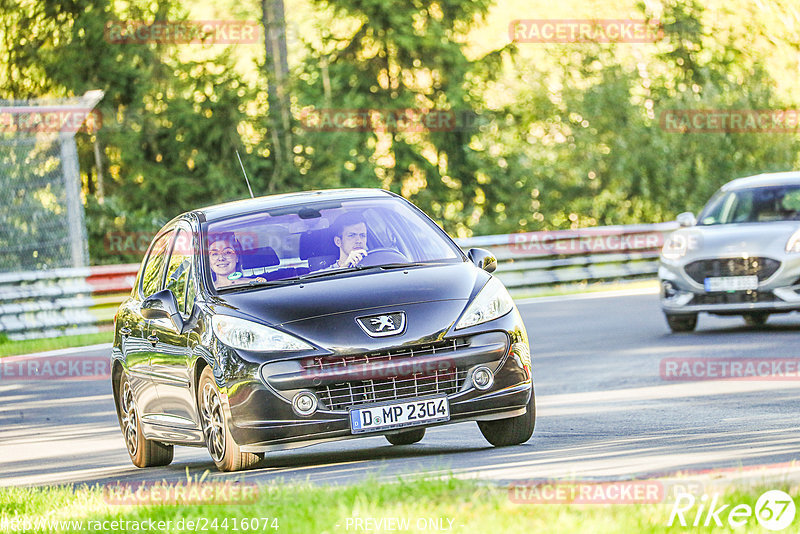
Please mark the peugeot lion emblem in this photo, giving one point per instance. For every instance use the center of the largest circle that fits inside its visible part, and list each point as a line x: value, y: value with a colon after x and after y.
x: 387, y: 324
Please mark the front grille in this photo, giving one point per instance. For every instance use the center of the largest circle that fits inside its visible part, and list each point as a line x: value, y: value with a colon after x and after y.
x: 736, y: 297
x: 761, y: 267
x: 410, y: 381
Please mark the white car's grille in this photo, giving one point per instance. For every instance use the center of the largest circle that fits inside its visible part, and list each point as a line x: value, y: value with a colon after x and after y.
x: 717, y: 267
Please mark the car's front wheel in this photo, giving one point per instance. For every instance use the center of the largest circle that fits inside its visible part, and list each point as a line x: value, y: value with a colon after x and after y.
x: 682, y: 323
x: 511, y: 431
x: 408, y: 437
x: 756, y: 319
x: 224, y: 451
x: 143, y: 452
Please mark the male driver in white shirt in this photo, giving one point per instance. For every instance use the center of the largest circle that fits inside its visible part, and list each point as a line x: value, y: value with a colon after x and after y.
x: 350, y: 236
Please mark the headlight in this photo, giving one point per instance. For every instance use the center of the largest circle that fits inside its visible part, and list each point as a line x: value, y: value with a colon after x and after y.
x: 492, y: 302
x: 675, y: 247
x: 793, y: 245
x: 247, y: 335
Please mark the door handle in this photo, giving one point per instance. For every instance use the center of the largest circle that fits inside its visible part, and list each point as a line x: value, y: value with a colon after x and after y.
x: 152, y: 338
x: 125, y: 331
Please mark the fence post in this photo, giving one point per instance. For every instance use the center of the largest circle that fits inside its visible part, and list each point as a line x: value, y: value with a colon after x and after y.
x: 72, y: 180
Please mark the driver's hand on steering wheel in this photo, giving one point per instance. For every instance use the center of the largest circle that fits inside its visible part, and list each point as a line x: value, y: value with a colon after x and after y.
x: 354, y: 258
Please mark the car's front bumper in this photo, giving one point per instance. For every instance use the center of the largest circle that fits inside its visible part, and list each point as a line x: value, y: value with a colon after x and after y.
x: 261, y: 417
x: 680, y: 294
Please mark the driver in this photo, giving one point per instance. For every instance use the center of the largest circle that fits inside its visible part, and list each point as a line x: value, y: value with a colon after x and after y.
x: 350, y: 237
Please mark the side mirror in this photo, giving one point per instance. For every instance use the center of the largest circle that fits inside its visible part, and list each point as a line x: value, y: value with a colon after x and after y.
x: 686, y: 219
x: 163, y: 305
x: 483, y: 259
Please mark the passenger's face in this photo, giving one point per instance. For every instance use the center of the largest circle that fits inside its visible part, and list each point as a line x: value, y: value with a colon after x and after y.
x: 354, y: 237
x: 222, y: 258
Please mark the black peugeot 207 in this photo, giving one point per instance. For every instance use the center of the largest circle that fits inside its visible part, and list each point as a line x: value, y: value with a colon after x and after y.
x: 290, y: 320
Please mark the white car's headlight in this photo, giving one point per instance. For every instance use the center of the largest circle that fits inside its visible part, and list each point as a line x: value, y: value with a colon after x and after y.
x: 492, y: 302
x: 247, y: 335
x: 793, y: 245
x: 675, y: 247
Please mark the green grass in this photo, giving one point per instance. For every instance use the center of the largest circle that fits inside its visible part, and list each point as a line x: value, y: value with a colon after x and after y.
x: 28, y: 346
x: 472, y: 508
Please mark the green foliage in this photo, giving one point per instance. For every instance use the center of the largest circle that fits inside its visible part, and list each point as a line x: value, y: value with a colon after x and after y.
x: 409, y: 57
x: 594, y: 150
x: 170, y: 126
x: 560, y: 136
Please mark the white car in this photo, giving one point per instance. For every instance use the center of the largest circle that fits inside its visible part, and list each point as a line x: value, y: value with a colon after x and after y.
x: 741, y: 256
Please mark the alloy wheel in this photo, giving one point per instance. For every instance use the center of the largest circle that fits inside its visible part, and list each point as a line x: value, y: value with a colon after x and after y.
x: 213, y: 422
x: 130, y: 421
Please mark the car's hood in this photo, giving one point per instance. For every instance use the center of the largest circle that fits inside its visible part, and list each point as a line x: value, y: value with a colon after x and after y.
x: 751, y: 239
x: 358, y: 291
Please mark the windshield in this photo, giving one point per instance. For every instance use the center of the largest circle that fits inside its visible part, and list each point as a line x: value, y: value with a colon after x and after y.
x: 317, y: 239
x: 760, y: 204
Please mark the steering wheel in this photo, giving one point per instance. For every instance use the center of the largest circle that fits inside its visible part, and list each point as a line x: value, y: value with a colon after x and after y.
x: 380, y: 256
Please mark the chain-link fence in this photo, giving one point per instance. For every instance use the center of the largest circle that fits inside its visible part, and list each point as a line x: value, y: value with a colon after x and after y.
x: 41, y: 214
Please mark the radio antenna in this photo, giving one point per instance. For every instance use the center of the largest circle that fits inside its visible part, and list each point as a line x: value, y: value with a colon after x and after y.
x: 245, y: 175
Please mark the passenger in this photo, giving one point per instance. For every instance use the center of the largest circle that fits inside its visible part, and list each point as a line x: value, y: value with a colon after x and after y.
x: 223, y: 257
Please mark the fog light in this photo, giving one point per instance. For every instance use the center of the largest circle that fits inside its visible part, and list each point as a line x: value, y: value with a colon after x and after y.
x: 304, y: 403
x: 668, y: 290
x: 482, y: 378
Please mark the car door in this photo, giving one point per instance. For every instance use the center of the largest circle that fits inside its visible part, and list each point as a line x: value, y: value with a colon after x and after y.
x: 171, y: 356
x: 137, y: 349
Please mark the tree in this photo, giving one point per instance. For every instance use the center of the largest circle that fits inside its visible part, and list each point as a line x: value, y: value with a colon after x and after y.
x: 395, y: 63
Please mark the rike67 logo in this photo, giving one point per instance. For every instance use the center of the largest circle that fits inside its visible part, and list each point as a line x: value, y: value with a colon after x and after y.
x: 774, y: 510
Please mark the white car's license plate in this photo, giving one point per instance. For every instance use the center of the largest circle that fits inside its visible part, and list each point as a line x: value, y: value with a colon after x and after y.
x: 399, y: 414
x: 731, y: 283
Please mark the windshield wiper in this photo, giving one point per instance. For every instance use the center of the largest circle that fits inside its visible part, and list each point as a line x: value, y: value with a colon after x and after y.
x: 398, y: 265
x: 328, y: 272
x: 256, y: 283
x: 322, y: 274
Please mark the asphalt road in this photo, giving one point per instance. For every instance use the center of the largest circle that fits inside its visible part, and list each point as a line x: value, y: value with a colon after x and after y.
x: 604, y: 412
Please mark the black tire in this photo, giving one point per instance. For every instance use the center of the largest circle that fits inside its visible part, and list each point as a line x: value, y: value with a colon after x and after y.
x: 408, y: 437
x: 756, y: 319
x: 143, y: 452
x: 223, y: 450
x: 682, y: 323
x: 511, y: 431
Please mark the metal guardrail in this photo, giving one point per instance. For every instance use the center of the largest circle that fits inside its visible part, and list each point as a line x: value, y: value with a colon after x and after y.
x: 532, y: 262
x: 81, y: 300
x: 62, y: 301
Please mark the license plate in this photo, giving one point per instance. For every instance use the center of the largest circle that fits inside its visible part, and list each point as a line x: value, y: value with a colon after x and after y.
x: 399, y: 414
x: 731, y: 283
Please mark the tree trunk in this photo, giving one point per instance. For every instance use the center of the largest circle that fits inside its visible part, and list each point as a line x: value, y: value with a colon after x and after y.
x: 277, y: 72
